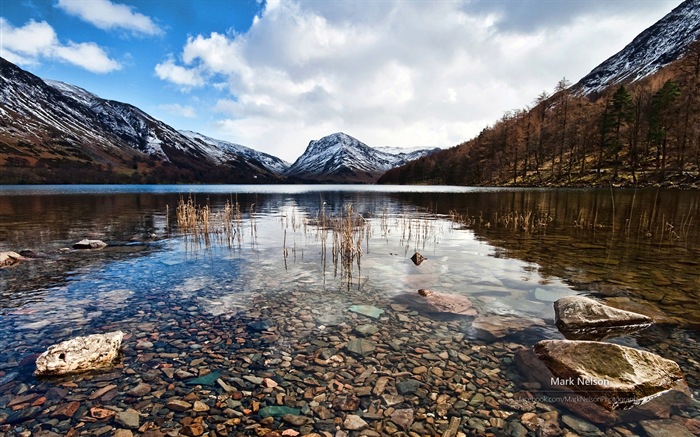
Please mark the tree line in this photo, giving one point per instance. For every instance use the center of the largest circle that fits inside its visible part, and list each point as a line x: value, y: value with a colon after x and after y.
x: 643, y: 132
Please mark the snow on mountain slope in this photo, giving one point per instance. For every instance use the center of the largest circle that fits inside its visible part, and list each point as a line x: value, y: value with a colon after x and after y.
x: 664, y: 42
x: 342, y: 158
x: 221, y: 149
x: 151, y: 134
x: 51, y: 128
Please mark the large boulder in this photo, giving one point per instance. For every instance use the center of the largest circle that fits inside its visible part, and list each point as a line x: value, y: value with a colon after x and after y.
x: 9, y: 258
x: 582, y: 318
x: 538, y: 374
x: 80, y: 354
x: 89, y: 244
x: 616, y: 377
x: 493, y: 327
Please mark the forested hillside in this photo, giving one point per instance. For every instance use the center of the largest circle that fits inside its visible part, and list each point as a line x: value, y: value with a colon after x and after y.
x: 639, y: 133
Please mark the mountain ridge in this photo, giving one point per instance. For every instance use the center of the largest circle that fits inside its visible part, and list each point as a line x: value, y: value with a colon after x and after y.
x: 338, y: 157
x: 60, y: 133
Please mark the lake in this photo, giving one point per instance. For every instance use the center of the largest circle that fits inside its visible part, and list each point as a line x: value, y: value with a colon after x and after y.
x: 265, y: 288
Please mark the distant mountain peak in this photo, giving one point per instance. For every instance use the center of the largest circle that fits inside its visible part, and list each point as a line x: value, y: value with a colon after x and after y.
x: 659, y: 45
x: 339, y: 157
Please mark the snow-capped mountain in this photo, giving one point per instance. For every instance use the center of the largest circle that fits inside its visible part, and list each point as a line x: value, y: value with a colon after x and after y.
x: 342, y: 158
x: 659, y: 45
x: 55, y: 132
x: 220, y: 149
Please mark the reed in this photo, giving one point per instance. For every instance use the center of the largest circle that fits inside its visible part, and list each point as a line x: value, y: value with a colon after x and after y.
x: 201, y: 226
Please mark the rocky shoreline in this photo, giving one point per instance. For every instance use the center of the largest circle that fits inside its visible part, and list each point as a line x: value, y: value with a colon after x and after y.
x: 291, y: 363
x: 286, y: 368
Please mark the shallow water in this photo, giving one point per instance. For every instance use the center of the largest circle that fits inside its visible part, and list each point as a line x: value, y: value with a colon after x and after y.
x: 512, y: 252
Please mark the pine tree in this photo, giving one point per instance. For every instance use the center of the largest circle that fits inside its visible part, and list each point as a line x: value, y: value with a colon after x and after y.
x: 660, y: 119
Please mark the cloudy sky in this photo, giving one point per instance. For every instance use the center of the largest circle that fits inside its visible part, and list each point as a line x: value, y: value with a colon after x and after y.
x: 275, y: 74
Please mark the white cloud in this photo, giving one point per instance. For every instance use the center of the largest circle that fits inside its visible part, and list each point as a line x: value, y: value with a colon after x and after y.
x: 108, y: 16
x: 86, y: 55
x: 29, y: 44
x: 31, y: 40
x: 390, y: 73
x: 178, y: 75
x: 186, y: 111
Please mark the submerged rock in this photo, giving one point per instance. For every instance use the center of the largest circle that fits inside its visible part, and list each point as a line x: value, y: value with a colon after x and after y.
x: 367, y: 310
x: 80, y: 354
x: 89, y: 244
x: 447, y: 303
x: 581, y: 318
x: 360, y: 346
x: 494, y: 327
x: 618, y: 377
x: 664, y: 428
x: 9, y: 258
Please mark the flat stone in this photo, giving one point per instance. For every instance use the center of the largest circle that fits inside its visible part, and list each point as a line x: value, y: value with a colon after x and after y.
x: 619, y: 376
x: 22, y: 415
x: 366, y: 330
x: 144, y: 344
x: 128, y: 419
x: 260, y: 325
x: 447, y: 303
x: 453, y: 427
x: 296, y: 420
x: 582, y: 318
x: 360, y: 346
x: 123, y: 433
x: 354, y: 423
x: 406, y: 387
x: 80, y: 354
x: 253, y: 379
x: 200, y: 406
x: 581, y: 426
x: 419, y: 370
x: 367, y: 310
x: 101, y: 413
x: 192, y: 430
x: 8, y: 378
x: 142, y: 389
x: 665, y: 428
x: 89, y: 244
x: 66, y: 411
x: 476, y: 400
x: 208, y: 379
x: 494, y: 327
x: 278, y: 411
x: 178, y: 405
x: 346, y: 403
x: 391, y: 400
x: 403, y: 417
x: 102, y: 391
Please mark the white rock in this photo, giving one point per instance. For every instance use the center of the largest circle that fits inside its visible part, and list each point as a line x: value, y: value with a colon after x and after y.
x: 80, y: 354
x: 89, y: 244
x: 8, y: 258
